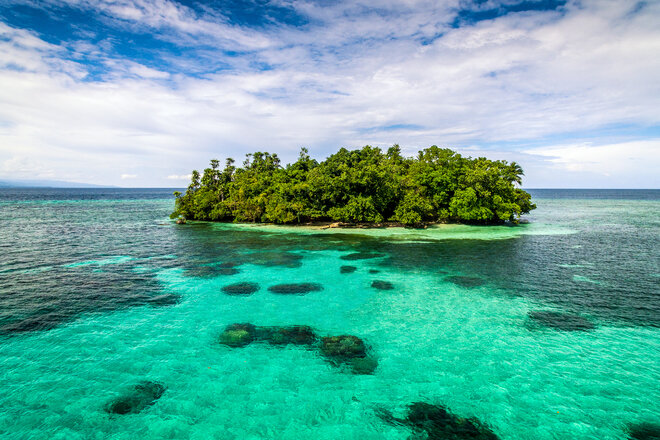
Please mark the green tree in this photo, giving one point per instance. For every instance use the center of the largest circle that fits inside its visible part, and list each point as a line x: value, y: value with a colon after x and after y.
x: 364, y: 185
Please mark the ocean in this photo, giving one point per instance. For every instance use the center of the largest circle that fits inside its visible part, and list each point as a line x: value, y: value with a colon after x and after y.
x: 112, y: 320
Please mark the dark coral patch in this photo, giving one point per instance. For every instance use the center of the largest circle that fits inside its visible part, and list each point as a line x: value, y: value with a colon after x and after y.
x: 464, y: 281
x: 141, y: 396
x: 347, y: 269
x: 342, y: 351
x: 350, y: 351
x: 373, y: 271
x: 440, y: 424
x: 382, y: 285
x: 295, y: 288
x: 561, y: 321
x: 361, y: 256
x: 343, y: 347
x: 241, y: 289
x: 238, y: 335
x: 437, y: 423
x: 295, y: 334
x: 644, y: 431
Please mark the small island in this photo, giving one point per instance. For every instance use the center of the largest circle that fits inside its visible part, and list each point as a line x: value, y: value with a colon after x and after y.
x: 364, y: 186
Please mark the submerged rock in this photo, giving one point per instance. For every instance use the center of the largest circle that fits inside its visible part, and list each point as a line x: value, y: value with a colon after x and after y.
x: 382, y: 285
x: 644, y: 431
x: 229, y: 265
x: 241, y: 289
x: 349, y: 351
x: 347, y: 269
x: 141, y: 396
x: 561, y: 321
x: 238, y: 335
x: 295, y: 334
x: 361, y: 256
x: 440, y: 424
x: 373, y: 271
x: 464, y: 281
x: 342, y: 351
x: 343, y: 347
x: 295, y: 288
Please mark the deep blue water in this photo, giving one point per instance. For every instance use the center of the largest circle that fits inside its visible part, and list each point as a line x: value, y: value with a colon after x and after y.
x: 547, y: 330
x: 588, y: 194
x: 9, y: 195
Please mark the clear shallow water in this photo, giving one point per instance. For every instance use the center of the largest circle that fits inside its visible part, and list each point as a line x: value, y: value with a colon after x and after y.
x: 88, y: 278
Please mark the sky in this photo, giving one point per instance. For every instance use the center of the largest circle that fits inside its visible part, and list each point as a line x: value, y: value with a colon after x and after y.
x: 138, y: 93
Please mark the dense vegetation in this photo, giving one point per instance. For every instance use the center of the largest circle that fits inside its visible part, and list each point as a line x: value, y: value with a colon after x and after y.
x: 363, y: 185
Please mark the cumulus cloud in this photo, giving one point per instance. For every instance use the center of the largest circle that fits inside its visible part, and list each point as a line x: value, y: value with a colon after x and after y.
x: 355, y: 74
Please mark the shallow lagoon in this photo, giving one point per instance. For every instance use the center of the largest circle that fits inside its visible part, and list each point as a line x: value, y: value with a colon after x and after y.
x: 97, y: 261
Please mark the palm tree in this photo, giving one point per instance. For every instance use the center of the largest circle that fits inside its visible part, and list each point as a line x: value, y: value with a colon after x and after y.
x: 516, y: 173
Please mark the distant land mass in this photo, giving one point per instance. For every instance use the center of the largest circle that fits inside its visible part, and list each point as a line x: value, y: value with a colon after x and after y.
x: 47, y: 184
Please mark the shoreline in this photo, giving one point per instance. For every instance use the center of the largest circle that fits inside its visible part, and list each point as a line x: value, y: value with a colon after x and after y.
x: 433, y: 232
x: 323, y: 225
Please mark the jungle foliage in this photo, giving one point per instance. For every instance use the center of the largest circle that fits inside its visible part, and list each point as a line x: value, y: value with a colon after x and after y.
x: 365, y: 185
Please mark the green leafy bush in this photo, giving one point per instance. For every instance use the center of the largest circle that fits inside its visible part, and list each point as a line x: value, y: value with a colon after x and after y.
x: 364, y: 185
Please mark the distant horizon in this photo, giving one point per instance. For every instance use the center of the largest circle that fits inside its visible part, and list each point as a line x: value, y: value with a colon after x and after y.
x: 93, y: 187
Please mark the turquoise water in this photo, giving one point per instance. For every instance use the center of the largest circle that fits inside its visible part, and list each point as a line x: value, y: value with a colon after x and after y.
x: 100, y: 291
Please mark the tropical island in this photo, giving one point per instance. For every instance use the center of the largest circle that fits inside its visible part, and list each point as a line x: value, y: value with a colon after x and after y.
x: 363, y: 186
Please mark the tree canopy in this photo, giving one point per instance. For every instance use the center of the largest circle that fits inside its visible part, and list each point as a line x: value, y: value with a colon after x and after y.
x: 365, y: 185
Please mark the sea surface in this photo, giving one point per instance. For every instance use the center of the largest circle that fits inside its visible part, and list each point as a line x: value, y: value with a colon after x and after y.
x: 546, y: 330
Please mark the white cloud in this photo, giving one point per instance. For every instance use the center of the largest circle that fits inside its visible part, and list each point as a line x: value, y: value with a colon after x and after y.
x: 128, y: 176
x: 179, y: 176
x: 624, y: 158
x: 164, y: 15
x: 147, y: 72
x: 22, y: 167
x: 515, y: 79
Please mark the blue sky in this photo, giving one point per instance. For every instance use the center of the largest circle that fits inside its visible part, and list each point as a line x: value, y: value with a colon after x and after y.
x: 140, y: 92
